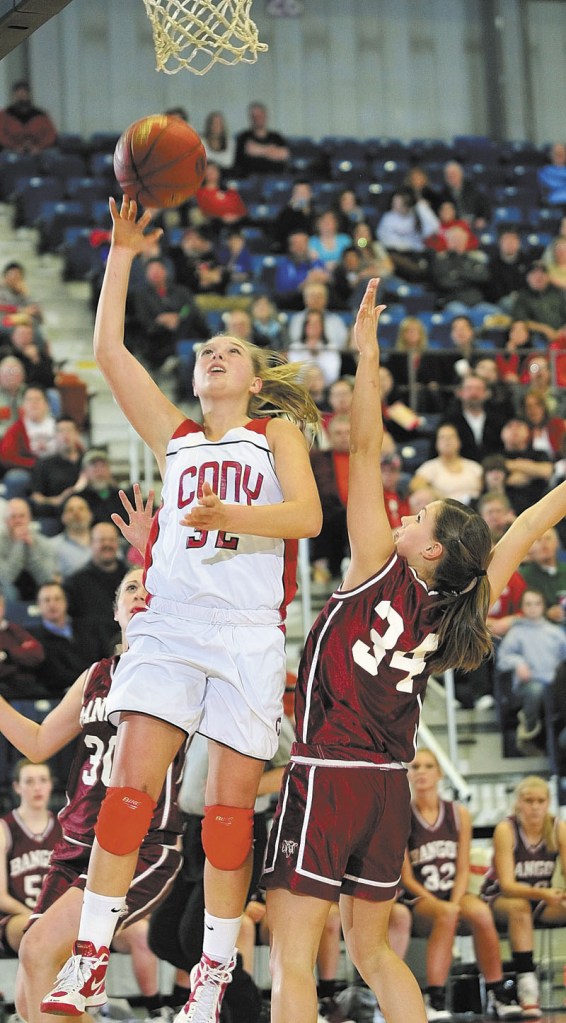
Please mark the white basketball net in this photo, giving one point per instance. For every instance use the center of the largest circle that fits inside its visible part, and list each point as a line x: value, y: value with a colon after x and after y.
x: 195, y: 34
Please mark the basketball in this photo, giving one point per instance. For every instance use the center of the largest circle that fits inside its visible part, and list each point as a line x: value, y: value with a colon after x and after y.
x: 159, y: 161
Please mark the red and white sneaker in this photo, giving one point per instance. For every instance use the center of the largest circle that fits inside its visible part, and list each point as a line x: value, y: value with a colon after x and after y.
x: 80, y: 983
x: 209, y: 980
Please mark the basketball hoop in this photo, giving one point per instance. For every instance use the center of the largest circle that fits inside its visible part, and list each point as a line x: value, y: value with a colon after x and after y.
x: 195, y: 34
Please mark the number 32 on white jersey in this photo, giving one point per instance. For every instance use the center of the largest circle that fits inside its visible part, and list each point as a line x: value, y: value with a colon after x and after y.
x: 410, y: 661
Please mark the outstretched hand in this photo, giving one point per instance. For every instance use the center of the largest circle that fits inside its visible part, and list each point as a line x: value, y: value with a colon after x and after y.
x: 209, y: 513
x: 136, y: 529
x: 127, y: 232
x: 365, y: 327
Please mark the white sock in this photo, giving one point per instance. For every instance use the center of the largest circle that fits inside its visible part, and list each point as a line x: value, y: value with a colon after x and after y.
x: 220, y: 936
x: 100, y: 917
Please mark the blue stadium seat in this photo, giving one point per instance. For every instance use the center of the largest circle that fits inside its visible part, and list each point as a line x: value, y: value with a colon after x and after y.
x: 61, y: 165
x: 30, y: 195
x: 80, y: 259
x: 54, y: 217
x: 15, y: 167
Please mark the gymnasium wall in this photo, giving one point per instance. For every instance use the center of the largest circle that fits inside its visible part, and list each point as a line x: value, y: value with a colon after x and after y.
x: 407, y: 68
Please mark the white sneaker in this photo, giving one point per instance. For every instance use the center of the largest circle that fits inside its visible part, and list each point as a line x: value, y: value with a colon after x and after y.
x: 209, y: 980
x: 435, y: 1012
x: 527, y: 991
x: 485, y: 702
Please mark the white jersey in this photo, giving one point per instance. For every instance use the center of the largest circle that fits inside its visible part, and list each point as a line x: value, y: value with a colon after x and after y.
x: 214, y: 568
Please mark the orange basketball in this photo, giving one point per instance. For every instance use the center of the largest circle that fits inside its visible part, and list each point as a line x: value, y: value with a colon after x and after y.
x: 159, y: 161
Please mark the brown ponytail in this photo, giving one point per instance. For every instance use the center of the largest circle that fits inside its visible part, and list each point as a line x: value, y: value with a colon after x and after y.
x: 464, y: 639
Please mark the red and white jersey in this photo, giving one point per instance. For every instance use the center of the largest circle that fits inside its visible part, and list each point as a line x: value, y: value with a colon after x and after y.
x: 28, y: 855
x: 363, y: 672
x: 214, y: 568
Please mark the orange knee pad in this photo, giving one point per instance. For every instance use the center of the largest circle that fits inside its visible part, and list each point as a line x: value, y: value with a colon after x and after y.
x: 124, y: 819
x: 227, y: 835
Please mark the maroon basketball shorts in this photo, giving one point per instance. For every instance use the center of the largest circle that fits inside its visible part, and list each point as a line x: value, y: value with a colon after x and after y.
x: 339, y: 831
x: 157, y: 866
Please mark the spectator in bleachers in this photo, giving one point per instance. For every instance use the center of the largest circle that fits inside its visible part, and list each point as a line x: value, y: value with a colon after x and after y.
x: 235, y: 257
x: 552, y: 177
x: 56, y: 476
x: 541, y: 304
x: 165, y: 313
x: 400, y: 419
x: 500, y: 399
x: 547, y: 431
x: 314, y: 346
x: 195, y: 264
x: 222, y: 205
x: 405, y: 360
x: 545, y: 572
x: 98, y: 487
x: 471, y: 204
x: 340, y: 395
x: 219, y: 145
x: 561, y: 233
x: 508, y: 363
x: 449, y: 474
x: 529, y: 470
x: 348, y: 280
x: 313, y: 379
x: 258, y: 149
x: 28, y: 836
x: 315, y: 297
x: 532, y: 650
x: 448, y: 219
x: 403, y: 231
x: 536, y: 376
x: 295, y: 270
x: 328, y: 243
x: 375, y: 258
x: 65, y: 657
x: 12, y: 390
x: 526, y: 847
x: 238, y: 323
x: 14, y: 294
x: 91, y: 590
x: 26, y: 559
x: 348, y: 211
x: 20, y: 656
x: 459, y: 276
x: 418, y: 181
x: 493, y: 504
x: 476, y: 688
x: 330, y: 469
x: 435, y: 879
x: 557, y: 263
x: 25, y: 128
x: 394, y: 495
x: 38, y: 365
x: 71, y: 547
x: 507, y: 269
x: 296, y: 216
x: 268, y: 331
x: 478, y: 428
x: 31, y: 437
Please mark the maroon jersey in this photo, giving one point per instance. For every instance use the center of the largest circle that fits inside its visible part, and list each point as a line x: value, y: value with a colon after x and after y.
x: 433, y: 849
x: 363, y: 672
x: 92, y: 765
x: 534, y: 864
x: 28, y: 856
